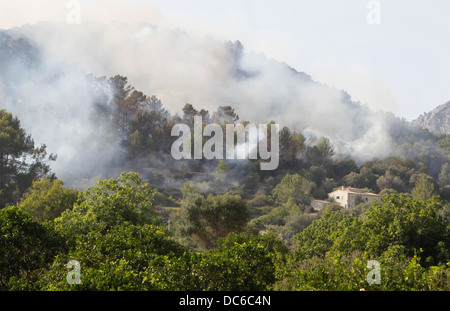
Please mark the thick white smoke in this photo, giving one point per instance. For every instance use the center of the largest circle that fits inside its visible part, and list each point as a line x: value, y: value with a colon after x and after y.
x: 178, y: 68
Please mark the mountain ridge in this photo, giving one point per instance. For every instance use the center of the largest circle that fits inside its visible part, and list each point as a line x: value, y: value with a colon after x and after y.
x: 436, y: 121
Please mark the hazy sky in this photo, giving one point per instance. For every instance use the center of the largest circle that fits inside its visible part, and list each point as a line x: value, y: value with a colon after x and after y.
x: 400, y: 65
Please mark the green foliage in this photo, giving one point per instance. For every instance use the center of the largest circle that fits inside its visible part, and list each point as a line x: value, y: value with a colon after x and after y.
x: 423, y: 189
x: 47, y: 199
x: 162, y: 200
x: 291, y: 146
x: 391, y: 181
x: 222, y: 169
x: 387, y: 191
x: 261, y: 200
x: 143, y: 258
x: 295, y: 223
x: 317, y: 239
x: 127, y: 257
x: 114, y: 232
x: 27, y: 248
x: 344, y: 167
x: 293, y: 186
x: 221, y: 175
x: 364, y: 179
x: 277, y: 216
x: 398, y: 220
x: 187, y: 190
x: 20, y: 161
x: 213, y: 217
x: 348, y: 272
x: 417, y: 225
x: 112, y: 202
x: 283, y: 214
x: 408, y: 237
x: 444, y: 175
x: 241, y: 262
x: 135, y: 142
x: 321, y: 153
x: 146, y: 127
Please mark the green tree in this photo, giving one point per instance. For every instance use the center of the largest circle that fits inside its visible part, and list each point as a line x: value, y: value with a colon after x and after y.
x: 188, y: 189
x: 221, y: 172
x: 344, y: 167
x: 417, y: 225
x: 126, y: 257
x: 293, y: 186
x: 189, y: 112
x: 352, y: 180
x: 182, y: 170
x: 295, y: 223
x: 348, y: 272
x: 277, y: 216
x: 47, y: 199
x: 291, y: 145
x: 387, y: 191
x: 423, y: 189
x: 317, y: 174
x: 135, y: 142
x: 410, y: 238
x: 213, y: 217
x: 111, y: 202
x: 27, y: 248
x: 444, y: 175
x: 241, y: 262
x: 391, y: 181
x: 321, y: 153
x: 364, y: 179
x: 318, y: 238
x: 20, y: 161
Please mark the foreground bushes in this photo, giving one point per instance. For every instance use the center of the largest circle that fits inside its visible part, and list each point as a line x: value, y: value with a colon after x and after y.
x: 350, y: 272
x: 125, y: 248
x: 143, y: 258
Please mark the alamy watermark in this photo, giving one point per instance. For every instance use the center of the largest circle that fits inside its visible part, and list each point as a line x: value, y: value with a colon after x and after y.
x: 251, y: 142
x: 74, y: 275
x: 374, y: 276
x: 374, y: 14
x: 74, y: 13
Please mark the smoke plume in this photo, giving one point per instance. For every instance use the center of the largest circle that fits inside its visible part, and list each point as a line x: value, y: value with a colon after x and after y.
x: 46, y: 84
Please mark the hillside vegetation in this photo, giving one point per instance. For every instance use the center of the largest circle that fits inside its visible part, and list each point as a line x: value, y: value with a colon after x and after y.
x: 231, y: 226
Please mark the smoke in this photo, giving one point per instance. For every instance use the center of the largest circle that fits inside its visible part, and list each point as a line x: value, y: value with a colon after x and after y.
x: 55, y: 99
x: 55, y: 104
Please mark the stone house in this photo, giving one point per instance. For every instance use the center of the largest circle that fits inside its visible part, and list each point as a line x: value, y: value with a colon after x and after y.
x: 351, y: 197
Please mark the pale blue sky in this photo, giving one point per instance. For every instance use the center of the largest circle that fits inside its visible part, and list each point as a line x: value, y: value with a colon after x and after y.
x: 401, y: 65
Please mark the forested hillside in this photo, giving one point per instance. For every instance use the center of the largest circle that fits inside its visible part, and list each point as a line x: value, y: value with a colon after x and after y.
x: 134, y: 218
x: 220, y: 226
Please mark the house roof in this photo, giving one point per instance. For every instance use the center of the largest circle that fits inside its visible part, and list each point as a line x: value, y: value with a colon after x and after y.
x: 321, y: 201
x: 351, y: 190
